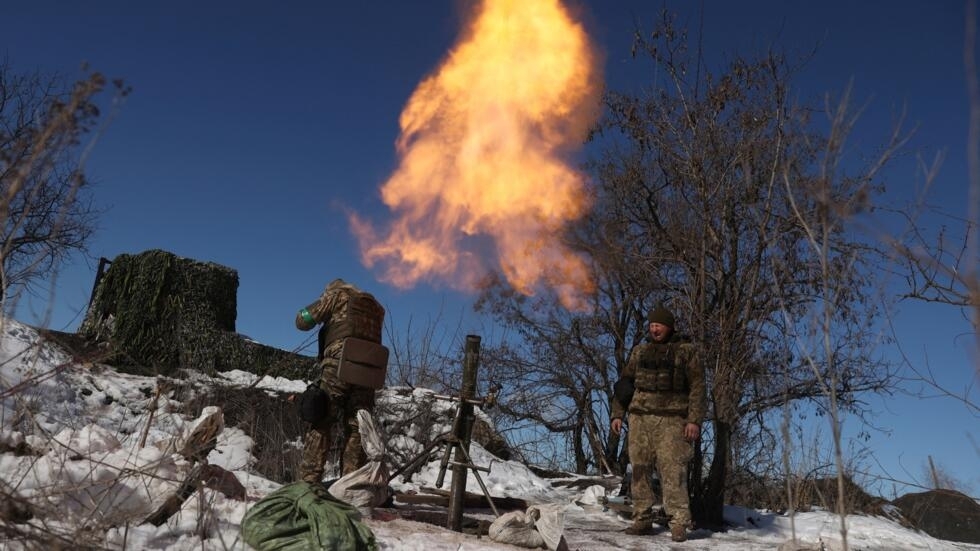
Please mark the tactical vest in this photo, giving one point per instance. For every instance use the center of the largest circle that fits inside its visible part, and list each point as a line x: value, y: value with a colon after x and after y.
x: 658, y: 371
x: 361, y: 319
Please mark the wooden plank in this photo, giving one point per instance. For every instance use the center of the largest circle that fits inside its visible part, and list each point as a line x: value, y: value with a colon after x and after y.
x: 434, y: 496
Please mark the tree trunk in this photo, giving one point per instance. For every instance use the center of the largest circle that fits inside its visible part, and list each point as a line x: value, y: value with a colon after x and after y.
x: 696, y: 483
x: 713, y: 496
x: 613, y: 455
x: 581, y: 463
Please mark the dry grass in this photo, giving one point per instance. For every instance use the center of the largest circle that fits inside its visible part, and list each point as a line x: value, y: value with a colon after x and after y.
x: 268, y: 418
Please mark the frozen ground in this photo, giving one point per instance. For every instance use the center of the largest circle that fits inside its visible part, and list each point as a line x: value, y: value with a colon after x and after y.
x: 102, y: 463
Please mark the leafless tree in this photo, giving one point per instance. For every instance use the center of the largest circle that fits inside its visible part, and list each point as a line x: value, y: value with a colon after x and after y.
x: 559, y: 371
x: 944, y: 267
x: 833, y: 336
x: 742, y: 197
x: 45, y: 208
x: 710, y: 179
x: 555, y: 374
x: 424, y: 356
x: 939, y: 478
x: 946, y: 270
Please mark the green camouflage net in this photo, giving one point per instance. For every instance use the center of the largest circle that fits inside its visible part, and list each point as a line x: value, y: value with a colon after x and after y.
x: 157, y: 312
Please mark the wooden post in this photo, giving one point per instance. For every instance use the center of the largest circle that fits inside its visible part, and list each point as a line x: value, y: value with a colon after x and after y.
x: 471, y: 361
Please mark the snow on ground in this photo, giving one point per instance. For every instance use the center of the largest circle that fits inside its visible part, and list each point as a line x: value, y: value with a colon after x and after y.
x: 105, y: 458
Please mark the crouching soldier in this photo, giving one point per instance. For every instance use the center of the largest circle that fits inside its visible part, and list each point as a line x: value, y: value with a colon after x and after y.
x: 346, y: 314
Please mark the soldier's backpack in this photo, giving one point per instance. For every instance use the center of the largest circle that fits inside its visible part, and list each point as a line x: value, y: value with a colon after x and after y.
x: 362, y: 319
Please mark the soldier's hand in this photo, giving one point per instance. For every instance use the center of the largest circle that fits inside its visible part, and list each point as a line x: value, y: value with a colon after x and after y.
x: 616, y: 425
x: 692, y: 432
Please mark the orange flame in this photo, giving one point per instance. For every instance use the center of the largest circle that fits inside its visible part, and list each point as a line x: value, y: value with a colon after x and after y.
x: 482, y: 180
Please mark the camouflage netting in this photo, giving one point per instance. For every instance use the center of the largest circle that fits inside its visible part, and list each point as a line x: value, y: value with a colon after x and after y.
x: 158, y: 312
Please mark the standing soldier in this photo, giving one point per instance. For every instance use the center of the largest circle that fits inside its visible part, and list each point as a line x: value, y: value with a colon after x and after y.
x: 662, y: 388
x: 345, y: 311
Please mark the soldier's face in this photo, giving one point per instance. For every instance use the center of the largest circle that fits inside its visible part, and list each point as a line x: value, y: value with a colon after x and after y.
x: 659, y: 332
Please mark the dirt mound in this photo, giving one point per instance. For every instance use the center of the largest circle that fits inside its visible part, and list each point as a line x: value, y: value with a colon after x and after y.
x: 943, y: 514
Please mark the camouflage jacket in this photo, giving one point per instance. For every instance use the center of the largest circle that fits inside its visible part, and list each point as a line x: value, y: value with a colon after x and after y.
x: 345, y: 311
x: 668, y: 379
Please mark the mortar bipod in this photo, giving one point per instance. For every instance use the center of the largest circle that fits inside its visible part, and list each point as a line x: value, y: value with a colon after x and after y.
x: 453, y: 441
x: 462, y: 430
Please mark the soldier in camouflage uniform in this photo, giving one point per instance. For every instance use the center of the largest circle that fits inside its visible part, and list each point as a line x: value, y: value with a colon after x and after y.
x: 667, y: 408
x: 345, y: 311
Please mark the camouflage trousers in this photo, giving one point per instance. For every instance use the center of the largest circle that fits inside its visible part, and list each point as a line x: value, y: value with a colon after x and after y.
x: 340, y: 424
x: 657, y: 442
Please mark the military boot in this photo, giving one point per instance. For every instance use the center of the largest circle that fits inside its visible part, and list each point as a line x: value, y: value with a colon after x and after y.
x: 660, y: 516
x: 640, y: 528
x: 678, y: 532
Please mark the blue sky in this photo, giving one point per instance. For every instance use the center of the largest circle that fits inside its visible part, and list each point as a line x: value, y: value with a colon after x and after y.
x: 253, y: 125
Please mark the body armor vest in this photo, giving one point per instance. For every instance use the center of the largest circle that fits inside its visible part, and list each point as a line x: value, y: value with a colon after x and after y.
x: 658, y: 370
x: 362, y: 318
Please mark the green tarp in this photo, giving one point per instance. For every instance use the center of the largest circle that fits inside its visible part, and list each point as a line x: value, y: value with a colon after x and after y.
x: 302, y: 516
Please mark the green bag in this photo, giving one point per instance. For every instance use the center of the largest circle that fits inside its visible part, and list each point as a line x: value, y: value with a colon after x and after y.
x: 302, y: 516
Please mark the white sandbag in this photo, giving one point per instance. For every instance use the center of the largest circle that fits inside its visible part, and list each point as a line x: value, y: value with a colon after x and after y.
x: 367, y: 487
x: 517, y: 528
x: 593, y: 495
x: 371, y: 439
x: 550, y: 523
x: 540, y: 526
